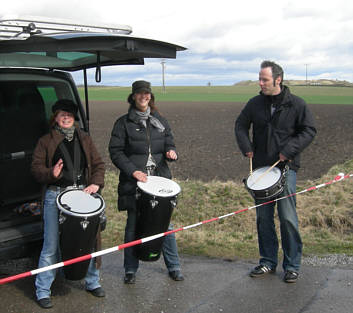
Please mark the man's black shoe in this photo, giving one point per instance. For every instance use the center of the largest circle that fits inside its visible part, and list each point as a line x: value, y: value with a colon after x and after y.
x: 176, y: 275
x: 98, y: 292
x: 291, y: 277
x: 261, y: 270
x: 129, y: 278
x: 45, y: 303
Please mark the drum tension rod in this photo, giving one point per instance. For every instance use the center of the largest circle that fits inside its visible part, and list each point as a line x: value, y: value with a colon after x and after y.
x: 84, y: 223
x: 154, y: 203
x: 62, y: 218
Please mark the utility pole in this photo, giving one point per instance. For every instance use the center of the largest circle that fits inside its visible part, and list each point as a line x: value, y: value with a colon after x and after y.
x: 163, y: 68
x: 306, y: 74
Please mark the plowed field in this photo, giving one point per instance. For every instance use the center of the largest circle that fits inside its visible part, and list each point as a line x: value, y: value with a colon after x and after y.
x: 204, y: 136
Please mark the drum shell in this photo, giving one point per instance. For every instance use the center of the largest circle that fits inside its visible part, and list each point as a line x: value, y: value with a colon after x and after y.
x: 76, y: 241
x: 151, y: 221
x: 271, y: 192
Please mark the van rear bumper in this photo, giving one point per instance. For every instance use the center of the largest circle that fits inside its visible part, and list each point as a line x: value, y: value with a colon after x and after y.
x: 21, y: 241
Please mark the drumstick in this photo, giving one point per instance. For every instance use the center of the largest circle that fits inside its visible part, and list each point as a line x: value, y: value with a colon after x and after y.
x: 269, y: 169
x: 250, y: 166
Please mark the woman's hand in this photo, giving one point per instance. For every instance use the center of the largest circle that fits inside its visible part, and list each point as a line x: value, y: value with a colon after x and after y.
x: 250, y: 154
x: 171, y: 154
x: 58, y: 168
x: 140, y: 176
x: 91, y: 188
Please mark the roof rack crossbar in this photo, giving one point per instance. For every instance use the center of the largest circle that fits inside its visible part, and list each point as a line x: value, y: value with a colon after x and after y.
x: 21, y: 28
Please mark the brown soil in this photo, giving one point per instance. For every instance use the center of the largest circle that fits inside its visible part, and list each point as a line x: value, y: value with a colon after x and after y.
x: 204, y: 136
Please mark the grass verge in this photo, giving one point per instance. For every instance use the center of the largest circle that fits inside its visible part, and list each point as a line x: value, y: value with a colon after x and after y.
x: 325, y: 217
x: 311, y: 94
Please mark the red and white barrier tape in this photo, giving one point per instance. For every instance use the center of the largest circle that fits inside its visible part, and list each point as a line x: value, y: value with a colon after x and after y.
x: 338, y: 178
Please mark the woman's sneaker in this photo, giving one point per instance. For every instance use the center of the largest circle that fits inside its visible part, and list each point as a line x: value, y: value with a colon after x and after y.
x: 261, y: 270
x: 45, y: 303
x: 291, y: 277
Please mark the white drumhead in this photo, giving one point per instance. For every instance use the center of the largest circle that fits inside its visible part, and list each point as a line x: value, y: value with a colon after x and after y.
x: 78, y: 202
x: 254, y: 181
x: 159, y: 187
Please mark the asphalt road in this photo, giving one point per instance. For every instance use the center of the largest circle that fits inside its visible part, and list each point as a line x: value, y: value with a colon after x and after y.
x: 211, y: 285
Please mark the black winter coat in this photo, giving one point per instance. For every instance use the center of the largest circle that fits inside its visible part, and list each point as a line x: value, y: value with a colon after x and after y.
x: 288, y: 131
x: 128, y: 148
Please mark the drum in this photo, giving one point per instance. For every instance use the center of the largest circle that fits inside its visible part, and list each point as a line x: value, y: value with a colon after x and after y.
x: 266, y: 186
x: 155, y: 202
x: 79, y: 219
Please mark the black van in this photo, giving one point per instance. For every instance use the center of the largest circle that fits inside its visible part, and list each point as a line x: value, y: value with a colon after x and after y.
x: 36, y: 57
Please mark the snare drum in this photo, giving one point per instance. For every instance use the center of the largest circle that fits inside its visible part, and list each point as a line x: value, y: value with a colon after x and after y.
x: 266, y: 186
x: 79, y: 219
x: 156, y: 200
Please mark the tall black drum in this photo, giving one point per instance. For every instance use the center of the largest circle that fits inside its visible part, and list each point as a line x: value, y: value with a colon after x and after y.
x: 156, y: 200
x: 79, y: 219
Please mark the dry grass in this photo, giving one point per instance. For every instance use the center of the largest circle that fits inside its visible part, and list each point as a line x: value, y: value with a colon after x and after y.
x: 325, y: 216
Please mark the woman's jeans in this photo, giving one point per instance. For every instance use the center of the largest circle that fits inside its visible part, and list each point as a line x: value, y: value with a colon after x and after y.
x: 267, y: 237
x: 169, y: 247
x: 51, y: 250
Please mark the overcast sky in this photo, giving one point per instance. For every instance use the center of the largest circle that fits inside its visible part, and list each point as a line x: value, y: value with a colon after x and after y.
x: 226, y: 39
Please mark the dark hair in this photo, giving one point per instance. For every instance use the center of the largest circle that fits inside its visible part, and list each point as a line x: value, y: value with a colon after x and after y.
x: 277, y: 71
x: 151, y: 104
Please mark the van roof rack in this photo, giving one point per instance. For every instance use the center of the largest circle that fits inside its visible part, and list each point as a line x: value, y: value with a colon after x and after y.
x: 13, y: 27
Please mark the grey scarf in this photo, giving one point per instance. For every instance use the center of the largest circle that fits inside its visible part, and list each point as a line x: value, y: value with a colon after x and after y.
x: 144, y: 116
x: 67, y: 132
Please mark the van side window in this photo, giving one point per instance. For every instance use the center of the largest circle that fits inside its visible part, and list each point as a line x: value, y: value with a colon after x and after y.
x: 49, y: 96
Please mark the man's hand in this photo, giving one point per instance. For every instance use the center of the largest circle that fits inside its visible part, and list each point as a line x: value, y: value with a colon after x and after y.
x: 283, y: 157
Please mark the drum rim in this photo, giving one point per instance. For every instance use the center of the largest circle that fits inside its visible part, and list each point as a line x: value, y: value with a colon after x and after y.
x: 140, y: 186
x: 94, y: 213
x: 275, y: 168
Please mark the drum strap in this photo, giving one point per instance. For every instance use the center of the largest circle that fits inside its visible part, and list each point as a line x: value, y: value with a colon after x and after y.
x: 72, y: 166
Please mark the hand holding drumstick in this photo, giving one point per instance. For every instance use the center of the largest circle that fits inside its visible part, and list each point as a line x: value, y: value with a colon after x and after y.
x: 250, y: 155
x: 283, y: 158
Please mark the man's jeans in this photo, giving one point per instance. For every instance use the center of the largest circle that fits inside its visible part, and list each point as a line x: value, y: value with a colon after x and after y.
x: 267, y: 237
x: 50, y: 253
x: 169, y: 247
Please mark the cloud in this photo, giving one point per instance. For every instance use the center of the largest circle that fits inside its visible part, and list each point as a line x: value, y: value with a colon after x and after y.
x: 226, y: 40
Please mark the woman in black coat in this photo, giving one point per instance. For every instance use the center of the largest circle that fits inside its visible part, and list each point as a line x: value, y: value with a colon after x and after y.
x: 141, y: 143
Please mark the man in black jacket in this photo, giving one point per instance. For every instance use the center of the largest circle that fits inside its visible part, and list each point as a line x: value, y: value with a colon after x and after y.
x: 282, y: 127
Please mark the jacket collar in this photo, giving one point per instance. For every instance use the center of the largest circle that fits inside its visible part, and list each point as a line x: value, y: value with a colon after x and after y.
x: 280, y: 100
x: 56, y: 136
x: 133, y: 116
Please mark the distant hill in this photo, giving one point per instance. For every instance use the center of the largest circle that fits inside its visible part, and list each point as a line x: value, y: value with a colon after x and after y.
x: 319, y: 82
